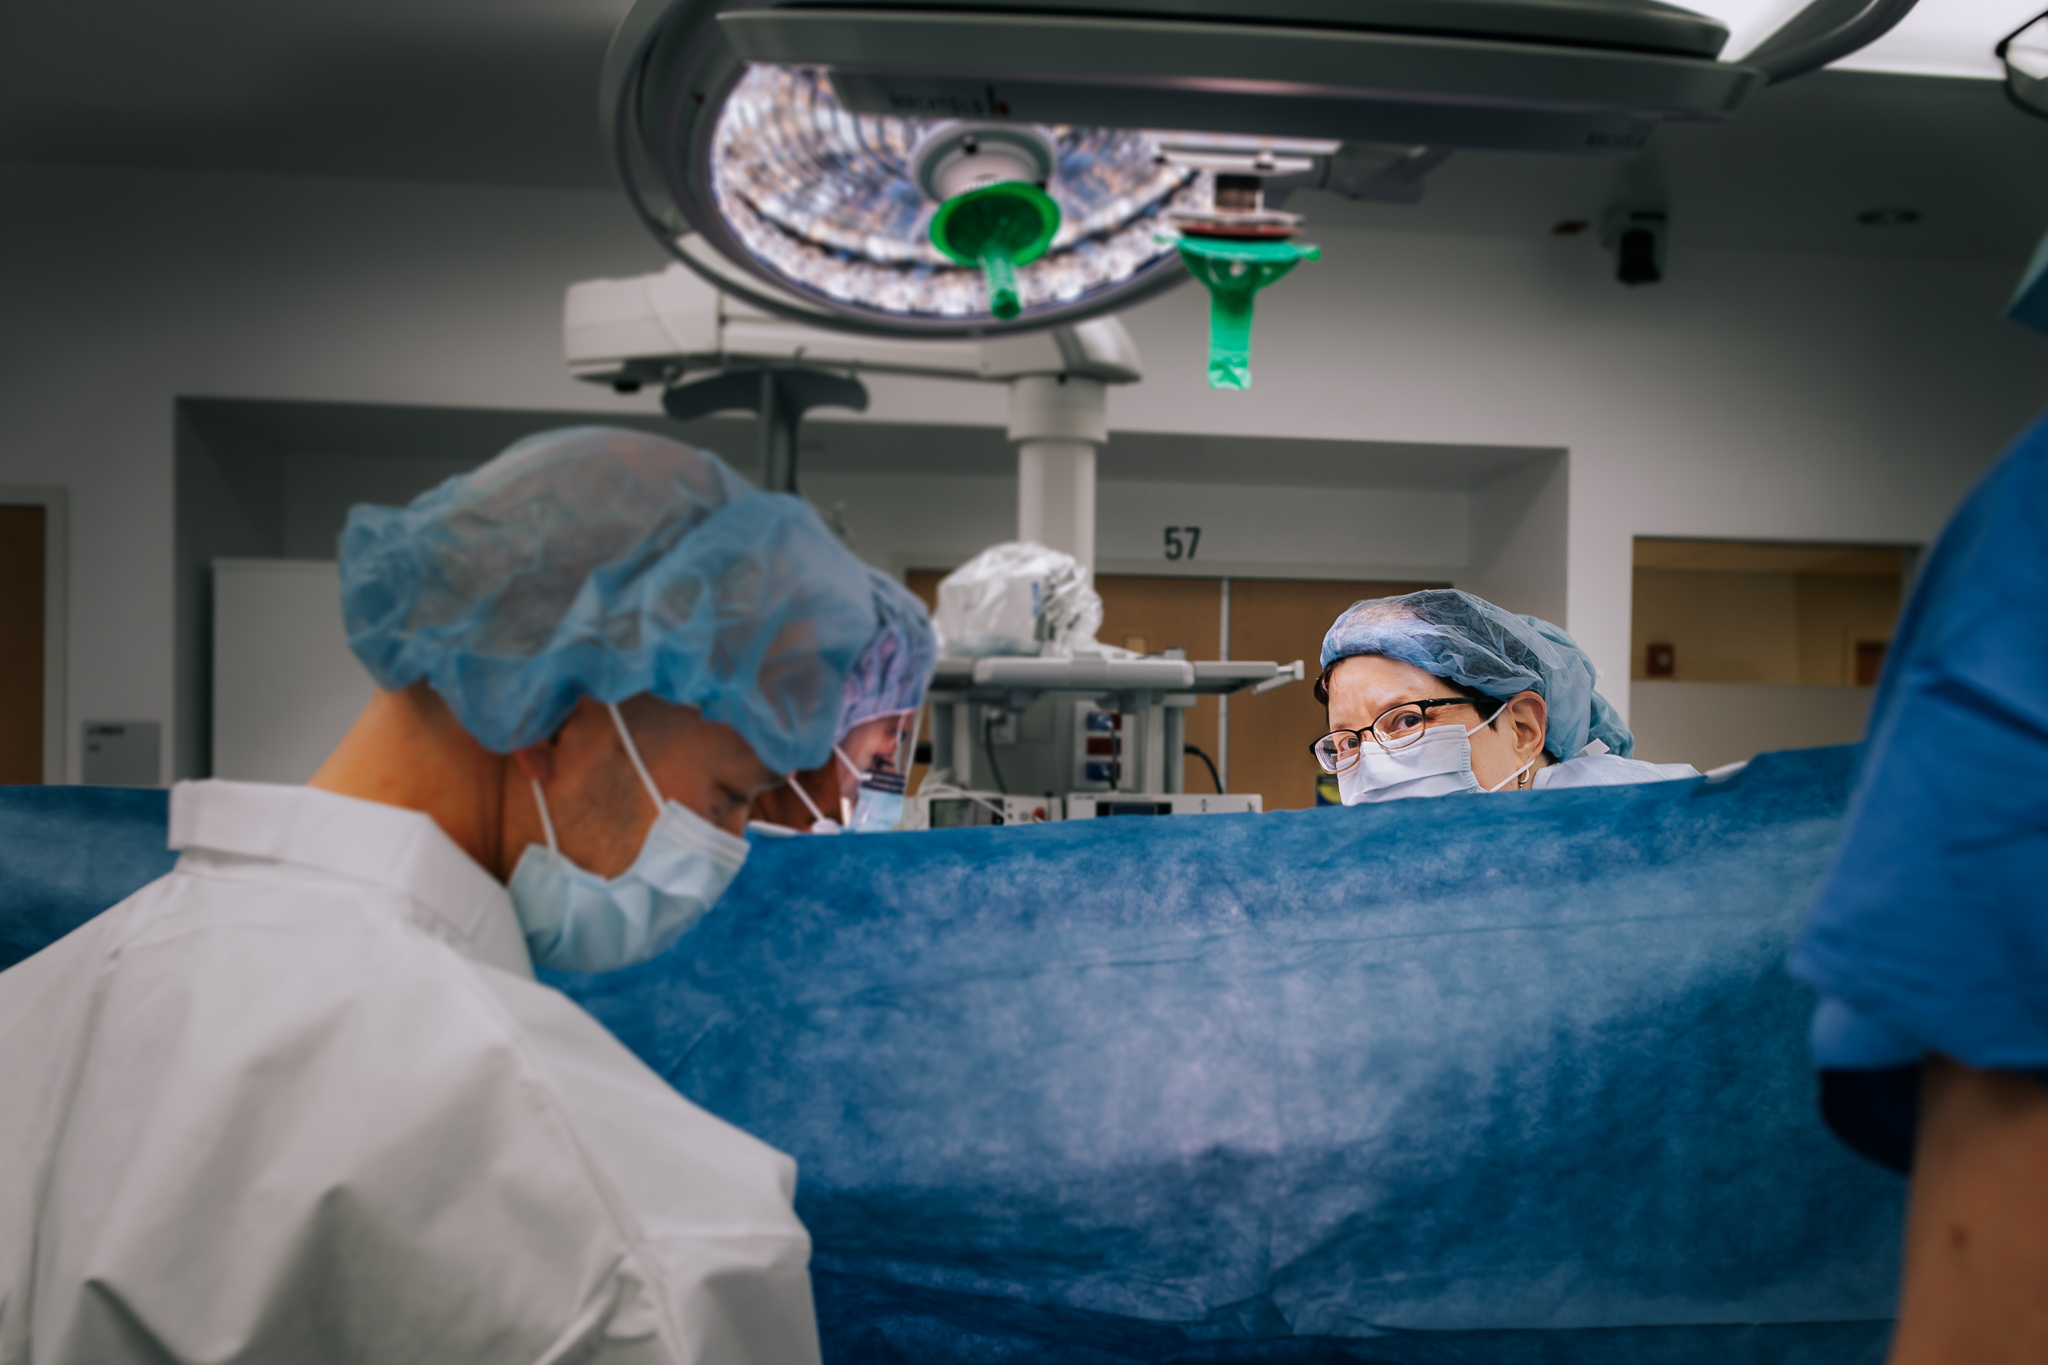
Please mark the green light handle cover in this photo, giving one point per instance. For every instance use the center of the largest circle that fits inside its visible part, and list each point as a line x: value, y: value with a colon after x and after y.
x: 999, y: 273
x: 997, y: 228
x: 1233, y: 272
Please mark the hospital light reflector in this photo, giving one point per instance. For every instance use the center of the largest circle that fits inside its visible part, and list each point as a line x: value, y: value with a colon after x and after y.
x: 830, y: 201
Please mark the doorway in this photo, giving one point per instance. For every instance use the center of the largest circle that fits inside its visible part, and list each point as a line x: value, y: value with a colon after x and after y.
x: 31, y: 636
x: 1743, y: 647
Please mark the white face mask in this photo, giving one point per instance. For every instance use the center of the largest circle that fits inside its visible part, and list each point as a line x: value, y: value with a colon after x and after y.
x: 1438, y: 764
x: 577, y: 921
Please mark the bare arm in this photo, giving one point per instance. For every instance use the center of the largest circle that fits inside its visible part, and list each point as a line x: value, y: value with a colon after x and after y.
x: 1976, y: 1286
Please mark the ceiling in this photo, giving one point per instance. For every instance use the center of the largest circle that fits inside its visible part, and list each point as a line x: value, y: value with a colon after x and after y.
x: 500, y: 91
x: 504, y: 92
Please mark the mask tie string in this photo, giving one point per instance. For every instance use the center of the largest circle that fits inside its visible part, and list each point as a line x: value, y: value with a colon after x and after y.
x: 805, y: 797
x: 1517, y: 772
x: 633, y: 752
x: 547, y: 824
x: 1512, y: 776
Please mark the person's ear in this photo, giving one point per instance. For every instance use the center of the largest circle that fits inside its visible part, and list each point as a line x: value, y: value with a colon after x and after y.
x: 1530, y: 718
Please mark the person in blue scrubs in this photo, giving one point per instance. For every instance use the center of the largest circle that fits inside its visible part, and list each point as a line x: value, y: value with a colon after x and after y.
x: 1929, y: 942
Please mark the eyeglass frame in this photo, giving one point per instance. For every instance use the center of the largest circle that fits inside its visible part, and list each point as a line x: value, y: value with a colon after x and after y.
x: 1373, y: 729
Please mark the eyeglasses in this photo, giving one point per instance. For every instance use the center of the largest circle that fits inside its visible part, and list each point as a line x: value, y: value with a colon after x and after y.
x: 1395, y: 728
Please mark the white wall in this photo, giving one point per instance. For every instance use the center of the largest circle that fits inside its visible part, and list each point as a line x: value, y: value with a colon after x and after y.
x: 1708, y: 724
x: 900, y: 521
x: 1751, y: 394
x: 1748, y: 395
x: 286, y: 688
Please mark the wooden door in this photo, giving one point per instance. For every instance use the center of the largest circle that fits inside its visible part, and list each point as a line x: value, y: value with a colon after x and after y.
x: 1284, y: 619
x: 1151, y: 615
x: 22, y: 596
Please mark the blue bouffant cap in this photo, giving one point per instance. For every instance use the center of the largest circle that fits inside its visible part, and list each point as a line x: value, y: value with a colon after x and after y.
x: 604, y: 563
x: 896, y: 668
x: 1477, y: 645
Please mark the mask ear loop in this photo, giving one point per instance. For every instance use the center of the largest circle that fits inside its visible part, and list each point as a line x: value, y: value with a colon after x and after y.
x: 1512, y: 776
x: 845, y: 805
x: 805, y: 797
x: 1498, y: 711
x: 547, y: 824
x: 633, y: 752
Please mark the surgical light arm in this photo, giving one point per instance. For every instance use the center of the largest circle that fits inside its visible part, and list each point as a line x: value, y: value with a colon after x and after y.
x: 1825, y: 31
x: 655, y: 329
x: 661, y: 329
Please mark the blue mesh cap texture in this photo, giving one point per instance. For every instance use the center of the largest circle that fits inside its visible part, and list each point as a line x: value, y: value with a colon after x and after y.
x: 598, y: 562
x: 894, y: 671
x: 1489, y: 649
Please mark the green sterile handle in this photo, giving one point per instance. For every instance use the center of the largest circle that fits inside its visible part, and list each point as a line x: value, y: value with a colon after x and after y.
x: 1230, y: 339
x: 1234, y: 272
x: 999, y: 273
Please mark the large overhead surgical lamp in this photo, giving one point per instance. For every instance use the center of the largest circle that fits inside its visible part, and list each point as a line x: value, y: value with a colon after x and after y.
x: 957, y: 168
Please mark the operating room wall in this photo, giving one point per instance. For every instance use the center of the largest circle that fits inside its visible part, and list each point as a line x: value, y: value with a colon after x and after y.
x: 1751, y: 394
x: 933, y: 522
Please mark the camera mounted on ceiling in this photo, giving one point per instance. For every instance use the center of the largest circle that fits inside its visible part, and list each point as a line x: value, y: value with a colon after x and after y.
x: 1635, y: 233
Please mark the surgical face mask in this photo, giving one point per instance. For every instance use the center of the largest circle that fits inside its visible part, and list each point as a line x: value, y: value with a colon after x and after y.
x: 577, y: 921
x: 1437, y: 764
x: 879, y: 807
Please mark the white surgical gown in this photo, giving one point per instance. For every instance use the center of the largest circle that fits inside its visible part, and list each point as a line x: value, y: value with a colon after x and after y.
x: 301, y: 1101
x: 1593, y: 766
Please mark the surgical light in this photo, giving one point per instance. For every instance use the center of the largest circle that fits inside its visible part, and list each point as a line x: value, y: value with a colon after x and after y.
x: 800, y: 154
x: 841, y: 206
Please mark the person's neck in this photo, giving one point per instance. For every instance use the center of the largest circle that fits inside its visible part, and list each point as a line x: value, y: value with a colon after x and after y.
x: 407, y: 750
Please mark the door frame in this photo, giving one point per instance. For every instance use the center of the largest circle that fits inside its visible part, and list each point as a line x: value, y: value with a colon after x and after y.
x: 56, y: 560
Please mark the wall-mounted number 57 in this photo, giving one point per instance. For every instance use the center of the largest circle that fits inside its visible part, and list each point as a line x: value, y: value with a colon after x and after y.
x: 1182, y: 540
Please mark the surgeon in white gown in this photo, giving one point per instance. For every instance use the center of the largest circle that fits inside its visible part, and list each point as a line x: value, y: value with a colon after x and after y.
x: 302, y: 1100
x: 1439, y: 692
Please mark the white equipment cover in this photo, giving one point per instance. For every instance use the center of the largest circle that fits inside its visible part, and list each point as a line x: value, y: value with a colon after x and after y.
x: 301, y: 1100
x: 1018, y: 597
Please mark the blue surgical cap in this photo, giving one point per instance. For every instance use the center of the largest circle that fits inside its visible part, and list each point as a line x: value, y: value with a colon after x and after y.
x: 895, y: 669
x: 603, y: 563
x: 1475, y: 644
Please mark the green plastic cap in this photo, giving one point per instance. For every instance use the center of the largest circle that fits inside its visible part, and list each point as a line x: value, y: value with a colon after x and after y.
x: 1233, y: 271
x: 998, y: 228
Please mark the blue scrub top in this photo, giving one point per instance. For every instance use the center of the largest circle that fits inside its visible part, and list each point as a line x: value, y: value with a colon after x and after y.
x: 1931, y: 932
